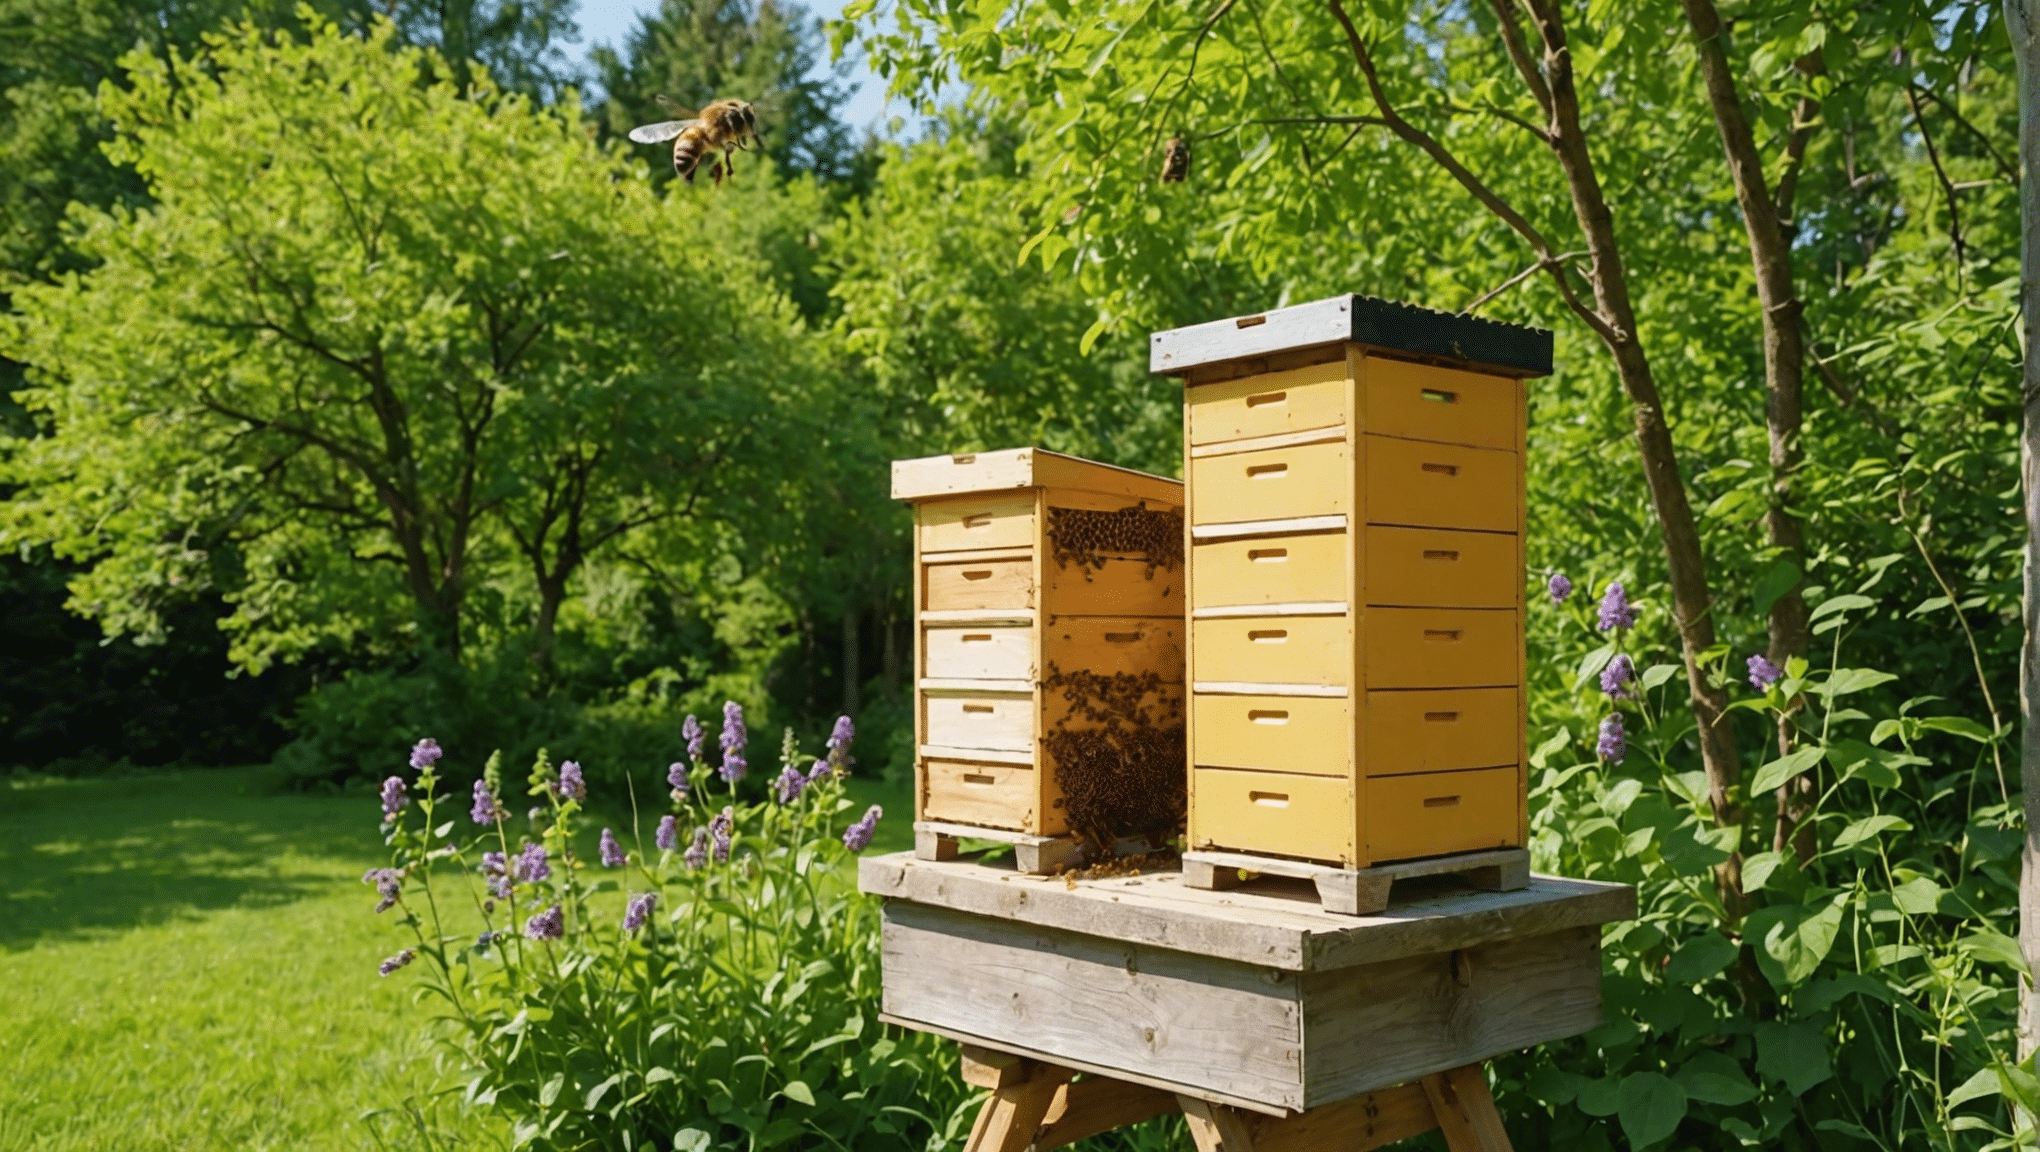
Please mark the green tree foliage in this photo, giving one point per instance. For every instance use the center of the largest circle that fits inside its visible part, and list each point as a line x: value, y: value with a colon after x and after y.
x: 373, y: 346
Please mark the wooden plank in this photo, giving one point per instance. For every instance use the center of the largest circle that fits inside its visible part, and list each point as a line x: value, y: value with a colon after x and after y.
x: 978, y: 616
x: 973, y: 685
x: 1439, y: 812
x: 1375, y: 1025
x: 1110, y: 644
x: 978, y: 652
x: 1306, y: 734
x: 1271, y: 570
x: 1097, y: 1104
x: 1422, y: 485
x: 1426, y: 402
x: 1358, y: 368
x: 1269, y: 650
x: 1441, y: 568
x: 986, y: 720
x: 1296, y: 608
x: 990, y: 1068
x: 1275, y: 929
x: 1522, y: 615
x: 1465, y: 1110
x: 1281, y: 440
x: 971, y: 585
x: 1268, y: 405
x: 1276, y: 812
x: 975, y: 524
x: 1008, y: 1121
x: 981, y: 555
x: 1283, y: 527
x: 1466, y: 341
x: 1011, y: 469
x: 1190, y: 1020
x: 1055, y: 470
x: 1123, y: 586
x: 1440, y: 730
x: 1215, y: 1127
x: 1360, y: 1124
x: 977, y: 755
x: 1441, y: 648
x: 994, y: 795
x: 1275, y: 483
x: 1279, y: 330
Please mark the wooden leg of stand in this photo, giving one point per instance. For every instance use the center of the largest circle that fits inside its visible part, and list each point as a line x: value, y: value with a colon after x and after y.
x: 1008, y: 1120
x: 1465, y: 1109
x: 1085, y: 1108
x: 1215, y: 1127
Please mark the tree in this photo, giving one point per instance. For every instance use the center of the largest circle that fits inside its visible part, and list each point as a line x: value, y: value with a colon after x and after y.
x: 374, y: 344
x: 2023, y: 24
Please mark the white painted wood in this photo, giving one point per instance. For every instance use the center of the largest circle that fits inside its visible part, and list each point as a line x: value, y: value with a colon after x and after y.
x: 1244, y: 688
x: 986, y: 755
x: 980, y: 720
x: 1286, y: 527
x: 979, y: 616
x: 978, y: 652
x: 1279, y: 440
x: 938, y: 684
x: 1360, y: 891
x: 1013, y: 468
x: 1281, y: 330
x: 1308, y: 608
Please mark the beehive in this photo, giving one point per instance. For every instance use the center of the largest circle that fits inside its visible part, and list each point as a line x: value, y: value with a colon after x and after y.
x: 1048, y: 595
x: 1356, y: 580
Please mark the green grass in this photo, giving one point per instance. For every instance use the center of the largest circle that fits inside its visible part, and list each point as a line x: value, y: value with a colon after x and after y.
x: 191, y: 961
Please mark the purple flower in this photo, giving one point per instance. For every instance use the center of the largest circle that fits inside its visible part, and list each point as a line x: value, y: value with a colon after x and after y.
x: 843, y: 733
x: 638, y: 910
x: 692, y: 733
x: 719, y: 830
x: 1619, y: 674
x: 789, y: 785
x: 1763, y: 673
x: 820, y: 772
x: 395, y: 962
x: 697, y: 852
x: 424, y: 754
x: 676, y: 779
x: 1559, y: 587
x: 1615, y: 609
x: 1610, y: 746
x: 733, y: 740
x: 571, y: 784
x: 612, y: 855
x: 389, y: 884
x: 486, y: 810
x: 531, y: 865
x: 547, y: 925
x: 668, y: 833
x: 393, y: 798
x: 857, y: 837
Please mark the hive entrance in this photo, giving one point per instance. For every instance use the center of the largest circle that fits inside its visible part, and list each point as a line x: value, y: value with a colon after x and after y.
x: 1088, y: 537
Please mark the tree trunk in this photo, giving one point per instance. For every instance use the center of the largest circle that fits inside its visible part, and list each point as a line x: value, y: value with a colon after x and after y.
x: 1784, y: 377
x: 2025, y: 37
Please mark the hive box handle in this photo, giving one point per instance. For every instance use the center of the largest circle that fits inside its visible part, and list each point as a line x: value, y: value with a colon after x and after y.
x: 1441, y: 717
x: 978, y: 778
x: 977, y: 574
x: 1250, y: 321
x: 1121, y: 637
x: 970, y: 458
x: 1440, y: 554
x: 1267, y: 471
x: 1269, y: 635
x: 984, y: 519
x: 1442, y: 469
x: 1268, y: 555
x: 1268, y: 716
x: 1445, y: 635
x: 976, y: 637
x: 1277, y: 799
x: 982, y: 708
x: 1440, y: 801
x: 1440, y: 396
x: 1267, y: 398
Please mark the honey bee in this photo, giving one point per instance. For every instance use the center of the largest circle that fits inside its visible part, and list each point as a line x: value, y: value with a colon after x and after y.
x: 725, y: 124
x: 1175, y: 160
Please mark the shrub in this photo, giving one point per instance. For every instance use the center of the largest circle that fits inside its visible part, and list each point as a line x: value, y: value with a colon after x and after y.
x: 713, y: 986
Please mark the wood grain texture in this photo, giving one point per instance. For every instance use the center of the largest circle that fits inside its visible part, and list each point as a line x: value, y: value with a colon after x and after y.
x: 1011, y: 469
x: 1381, y: 1024
x: 978, y: 585
x: 1084, y: 1108
x: 1280, y: 440
x: 1282, y: 527
x: 1441, y: 812
x: 997, y: 720
x: 1272, y: 570
x: 1123, y: 586
x: 1306, y: 734
x: 1215, y: 1127
x: 993, y: 795
x: 1270, y: 404
x: 1273, y: 649
x: 1452, y: 406
x: 1008, y: 1121
x: 1422, y: 485
x: 1441, y: 568
x: 1440, y: 730
x: 1270, y: 927
x: 1286, y: 813
x: 1221, y: 1025
x: 1109, y: 644
x: 1441, y: 647
x: 977, y: 652
x: 1465, y: 1110
x: 1360, y: 1124
x: 976, y: 523
x: 1272, y: 484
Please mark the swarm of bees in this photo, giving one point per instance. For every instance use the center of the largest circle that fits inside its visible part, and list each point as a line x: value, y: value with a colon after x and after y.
x: 725, y: 125
x: 1175, y: 160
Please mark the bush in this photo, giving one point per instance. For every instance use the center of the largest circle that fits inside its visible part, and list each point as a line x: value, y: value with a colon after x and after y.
x: 715, y: 989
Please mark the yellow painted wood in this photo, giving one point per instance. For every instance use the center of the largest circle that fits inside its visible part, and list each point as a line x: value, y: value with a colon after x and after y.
x: 1012, y: 470
x: 978, y: 652
x: 1271, y: 570
x: 1123, y: 587
x: 980, y: 720
x: 1416, y: 484
x: 1426, y: 402
x: 1441, y: 647
x: 1441, y: 731
x: 1274, y: 813
x: 1439, y: 568
x: 990, y: 795
x: 1441, y: 812
x: 1274, y: 484
x: 1273, y: 649
x: 1111, y: 644
x: 1309, y: 735
x: 984, y: 584
x: 968, y: 522
x: 1268, y: 404
x: 1522, y: 617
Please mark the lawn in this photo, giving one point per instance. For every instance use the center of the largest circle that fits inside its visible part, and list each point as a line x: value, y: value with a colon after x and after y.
x: 191, y: 959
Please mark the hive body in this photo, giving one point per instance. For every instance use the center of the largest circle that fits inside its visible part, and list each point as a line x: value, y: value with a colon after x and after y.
x: 1356, y: 580
x: 1049, y: 642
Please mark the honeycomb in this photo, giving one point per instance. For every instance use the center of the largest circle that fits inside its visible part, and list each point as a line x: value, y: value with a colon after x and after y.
x: 1087, y: 538
x: 1119, y: 753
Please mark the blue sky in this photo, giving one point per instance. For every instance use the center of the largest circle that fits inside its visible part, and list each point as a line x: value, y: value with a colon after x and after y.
x: 610, y: 21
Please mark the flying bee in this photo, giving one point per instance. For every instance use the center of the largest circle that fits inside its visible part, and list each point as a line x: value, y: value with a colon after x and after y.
x: 1175, y: 160
x: 728, y: 125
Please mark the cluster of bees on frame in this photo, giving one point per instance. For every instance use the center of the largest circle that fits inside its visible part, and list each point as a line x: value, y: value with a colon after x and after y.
x: 728, y: 126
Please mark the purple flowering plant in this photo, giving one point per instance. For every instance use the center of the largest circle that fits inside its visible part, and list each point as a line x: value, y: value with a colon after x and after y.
x: 666, y: 975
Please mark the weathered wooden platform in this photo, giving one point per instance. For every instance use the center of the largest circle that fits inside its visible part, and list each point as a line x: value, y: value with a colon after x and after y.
x: 936, y: 840
x: 1255, y: 999
x: 1359, y: 891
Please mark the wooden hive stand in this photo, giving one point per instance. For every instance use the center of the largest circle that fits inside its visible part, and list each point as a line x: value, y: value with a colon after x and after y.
x: 1268, y: 1022
x: 1356, y: 582
x: 1036, y: 577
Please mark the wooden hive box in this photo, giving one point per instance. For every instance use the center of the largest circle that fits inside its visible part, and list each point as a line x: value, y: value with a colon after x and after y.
x: 1039, y: 579
x: 1356, y: 580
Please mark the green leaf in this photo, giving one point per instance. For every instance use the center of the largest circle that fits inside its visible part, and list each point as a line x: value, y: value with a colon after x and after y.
x: 1700, y: 957
x: 1776, y: 581
x: 692, y: 1140
x: 1757, y: 869
x: 595, y: 1094
x: 550, y: 1090
x: 1867, y: 828
x: 1957, y: 725
x: 1592, y: 663
x: 1846, y: 680
x: 797, y: 1090
x: 1091, y: 335
x: 1713, y: 1078
x: 1848, y: 603
x: 1657, y: 674
x: 1650, y: 1106
x: 1777, y: 772
x: 1795, y: 1053
x: 1919, y: 896
x: 1599, y: 1097
x: 1558, y: 741
x: 1983, y: 1083
x: 1792, y: 939
x: 1993, y: 947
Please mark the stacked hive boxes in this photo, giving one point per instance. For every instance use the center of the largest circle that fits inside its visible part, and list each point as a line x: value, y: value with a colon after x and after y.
x: 1356, y: 580
x: 1049, y: 602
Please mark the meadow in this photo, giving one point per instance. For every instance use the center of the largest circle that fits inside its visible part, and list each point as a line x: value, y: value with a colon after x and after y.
x: 191, y: 960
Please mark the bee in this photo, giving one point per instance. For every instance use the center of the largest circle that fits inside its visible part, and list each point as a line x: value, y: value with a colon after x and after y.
x: 1175, y: 160
x: 725, y: 124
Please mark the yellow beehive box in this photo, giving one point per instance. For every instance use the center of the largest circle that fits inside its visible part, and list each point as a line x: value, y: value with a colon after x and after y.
x: 1049, y: 665
x: 1355, y: 580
